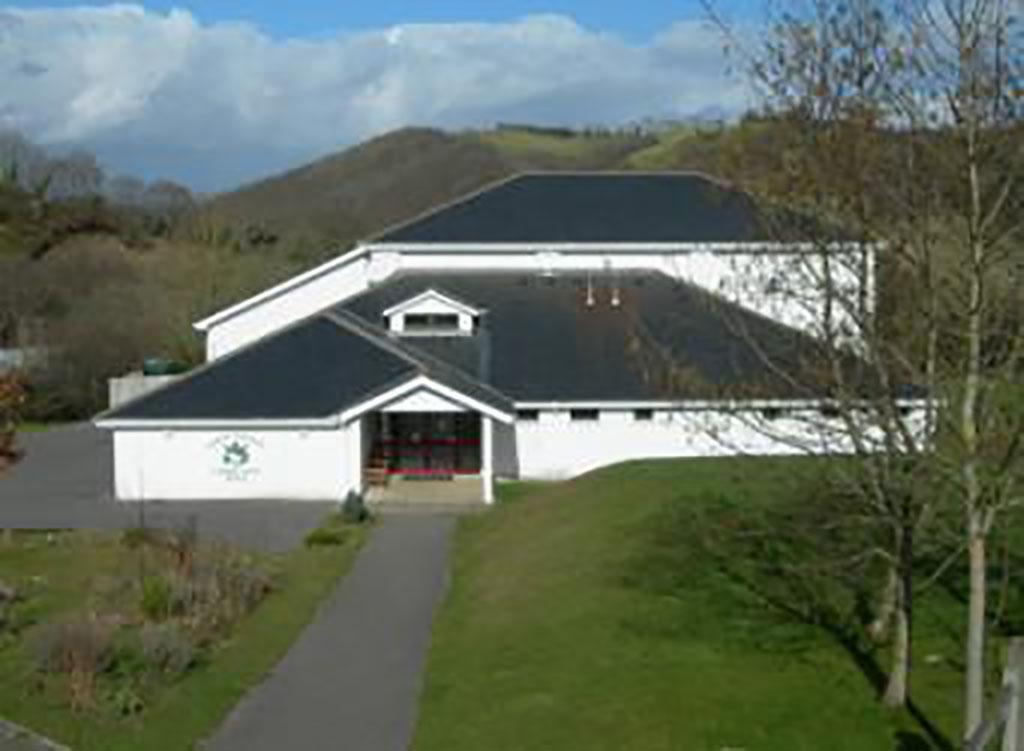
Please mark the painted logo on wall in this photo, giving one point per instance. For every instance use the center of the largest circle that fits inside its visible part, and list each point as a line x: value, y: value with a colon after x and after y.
x: 236, y: 456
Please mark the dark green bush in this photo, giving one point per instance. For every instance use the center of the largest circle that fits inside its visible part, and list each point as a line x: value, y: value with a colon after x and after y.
x: 353, y: 510
x: 326, y: 536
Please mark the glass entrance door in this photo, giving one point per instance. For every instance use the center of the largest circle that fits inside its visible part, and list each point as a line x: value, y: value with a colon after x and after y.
x: 428, y: 443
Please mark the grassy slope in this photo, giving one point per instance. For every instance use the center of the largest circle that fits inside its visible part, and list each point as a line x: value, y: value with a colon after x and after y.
x: 357, y: 192
x: 557, y: 635
x: 188, y: 710
x: 534, y: 150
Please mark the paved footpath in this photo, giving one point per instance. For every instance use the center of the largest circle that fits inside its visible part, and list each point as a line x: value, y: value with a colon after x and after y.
x: 351, y: 681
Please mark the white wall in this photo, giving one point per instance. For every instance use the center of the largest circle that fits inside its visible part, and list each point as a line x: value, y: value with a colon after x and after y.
x: 134, y: 385
x: 285, y: 464
x: 779, y: 285
x: 321, y: 291
x: 557, y: 448
x: 423, y: 400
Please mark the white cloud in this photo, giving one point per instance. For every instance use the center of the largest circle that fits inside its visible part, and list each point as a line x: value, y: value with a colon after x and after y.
x: 217, y: 103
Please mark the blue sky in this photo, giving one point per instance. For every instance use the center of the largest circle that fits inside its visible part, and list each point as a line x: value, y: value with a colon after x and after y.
x: 634, y: 21
x: 218, y: 93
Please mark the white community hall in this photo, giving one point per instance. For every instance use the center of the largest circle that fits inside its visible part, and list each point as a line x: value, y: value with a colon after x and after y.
x: 540, y: 328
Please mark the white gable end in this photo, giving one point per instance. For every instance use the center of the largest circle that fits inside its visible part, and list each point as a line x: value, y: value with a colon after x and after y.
x: 423, y: 400
x: 431, y: 313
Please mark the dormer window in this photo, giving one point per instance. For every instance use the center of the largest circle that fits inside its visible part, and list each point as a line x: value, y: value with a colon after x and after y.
x: 431, y: 323
x: 432, y: 313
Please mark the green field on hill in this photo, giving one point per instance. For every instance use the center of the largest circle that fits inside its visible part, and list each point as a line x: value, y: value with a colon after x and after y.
x: 590, y: 615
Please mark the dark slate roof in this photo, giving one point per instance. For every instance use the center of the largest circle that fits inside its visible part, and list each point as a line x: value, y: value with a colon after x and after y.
x: 540, y: 341
x: 314, y: 369
x: 439, y: 369
x: 593, y: 208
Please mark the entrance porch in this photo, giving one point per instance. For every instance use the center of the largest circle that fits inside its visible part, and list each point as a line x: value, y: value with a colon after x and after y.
x: 429, y: 458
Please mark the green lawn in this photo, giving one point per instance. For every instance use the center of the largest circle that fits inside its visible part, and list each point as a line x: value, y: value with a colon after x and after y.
x: 61, y: 574
x: 580, y: 617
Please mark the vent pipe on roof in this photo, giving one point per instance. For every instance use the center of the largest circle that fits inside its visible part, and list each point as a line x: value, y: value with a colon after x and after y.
x: 590, y: 290
x: 614, y: 277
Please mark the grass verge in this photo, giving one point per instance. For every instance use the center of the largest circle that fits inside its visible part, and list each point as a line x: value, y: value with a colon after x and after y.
x: 580, y: 617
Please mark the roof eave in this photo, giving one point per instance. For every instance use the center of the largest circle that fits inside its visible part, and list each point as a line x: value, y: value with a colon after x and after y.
x: 211, y: 423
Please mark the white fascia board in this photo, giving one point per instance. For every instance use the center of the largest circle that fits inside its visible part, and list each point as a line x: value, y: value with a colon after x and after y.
x: 310, y: 423
x: 603, y: 248
x: 279, y: 289
x: 701, y: 404
x: 431, y: 294
x: 424, y: 382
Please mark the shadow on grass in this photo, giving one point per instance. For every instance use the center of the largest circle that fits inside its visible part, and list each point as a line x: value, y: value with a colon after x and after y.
x: 769, y: 578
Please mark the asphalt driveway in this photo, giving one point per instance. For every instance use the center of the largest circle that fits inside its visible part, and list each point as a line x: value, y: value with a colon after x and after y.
x: 65, y: 481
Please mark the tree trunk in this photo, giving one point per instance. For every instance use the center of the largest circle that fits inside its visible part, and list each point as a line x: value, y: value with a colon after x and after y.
x: 974, y: 679
x: 899, y: 673
x: 878, y: 629
x: 898, y: 689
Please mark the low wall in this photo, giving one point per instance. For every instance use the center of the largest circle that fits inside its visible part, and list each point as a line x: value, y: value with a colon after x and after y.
x: 24, y: 358
x: 134, y: 385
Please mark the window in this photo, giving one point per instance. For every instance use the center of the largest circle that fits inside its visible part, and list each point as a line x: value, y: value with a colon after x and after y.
x: 584, y: 415
x: 643, y: 415
x: 431, y: 322
x: 527, y: 415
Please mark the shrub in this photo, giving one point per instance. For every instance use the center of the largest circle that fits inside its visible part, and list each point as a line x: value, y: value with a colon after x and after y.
x: 353, y: 510
x: 12, y: 400
x: 157, y: 601
x: 334, y: 530
x: 80, y: 649
x: 137, y: 537
x: 222, y: 588
x: 249, y: 587
x: 8, y: 595
x: 325, y: 536
x: 166, y: 648
x: 182, y: 544
x: 126, y: 702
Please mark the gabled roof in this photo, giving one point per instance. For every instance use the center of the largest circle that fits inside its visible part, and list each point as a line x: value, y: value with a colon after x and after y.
x: 592, y: 207
x: 312, y: 370
x: 432, y: 294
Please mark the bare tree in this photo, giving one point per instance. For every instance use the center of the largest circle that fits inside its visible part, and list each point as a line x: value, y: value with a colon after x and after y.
x: 905, y: 129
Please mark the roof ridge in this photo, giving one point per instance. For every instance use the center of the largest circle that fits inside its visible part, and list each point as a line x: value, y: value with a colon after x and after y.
x: 426, y: 361
x: 361, y: 327
x: 438, y: 208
